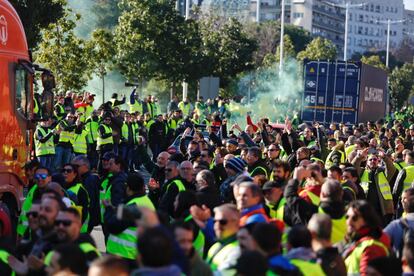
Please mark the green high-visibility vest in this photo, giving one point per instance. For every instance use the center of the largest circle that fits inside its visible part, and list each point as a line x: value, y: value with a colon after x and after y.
x: 105, y: 141
x: 400, y: 165
x: 352, y: 262
x: 125, y: 131
x: 75, y: 189
x: 4, y: 257
x: 315, y: 199
x: 259, y: 168
x: 173, y: 124
x: 338, y: 227
x: 124, y: 244
x: 47, y: 147
x: 27, y: 204
x: 349, y: 149
x: 200, y: 240
x: 80, y: 145
x: 308, y: 268
x: 92, y: 129
x: 149, y: 124
x: 409, y: 177
x: 185, y: 108
x: 329, y: 163
x: 104, y: 194
x: 178, y: 183
x: 383, y: 184
x: 277, y: 213
x: 66, y: 136
x: 136, y: 107
x: 36, y: 108
x: 219, y: 253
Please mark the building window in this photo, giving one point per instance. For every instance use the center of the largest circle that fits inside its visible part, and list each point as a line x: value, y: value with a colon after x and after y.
x: 361, y: 18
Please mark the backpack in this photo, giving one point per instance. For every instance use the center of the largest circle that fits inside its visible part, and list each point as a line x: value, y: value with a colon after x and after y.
x: 408, y: 236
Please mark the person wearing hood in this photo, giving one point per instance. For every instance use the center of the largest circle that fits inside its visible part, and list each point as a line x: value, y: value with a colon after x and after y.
x: 331, y: 203
x: 256, y: 166
x: 366, y: 240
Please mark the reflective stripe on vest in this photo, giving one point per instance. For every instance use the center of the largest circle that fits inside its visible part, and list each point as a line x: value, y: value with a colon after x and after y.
x: 216, y: 255
x: 27, y: 204
x: 308, y: 268
x: 79, y: 143
x: 338, y: 227
x: 382, y: 183
x: 75, y: 189
x: 66, y: 136
x: 352, y: 262
x: 124, y: 244
x: 199, y: 241
x: 179, y: 184
x: 47, y: 147
x: 259, y: 168
x: 329, y: 163
x: 409, y: 177
x: 105, y: 141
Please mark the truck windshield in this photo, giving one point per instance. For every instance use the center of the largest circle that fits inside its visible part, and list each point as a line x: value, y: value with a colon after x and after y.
x: 22, y: 91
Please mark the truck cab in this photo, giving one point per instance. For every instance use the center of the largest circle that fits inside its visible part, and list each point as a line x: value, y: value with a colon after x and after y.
x: 16, y: 107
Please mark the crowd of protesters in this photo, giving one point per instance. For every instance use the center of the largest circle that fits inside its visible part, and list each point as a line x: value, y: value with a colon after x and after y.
x: 268, y: 199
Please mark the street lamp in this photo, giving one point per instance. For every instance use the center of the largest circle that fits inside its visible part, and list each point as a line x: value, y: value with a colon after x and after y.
x: 187, y: 16
x: 258, y: 11
x: 282, y: 34
x: 389, y: 22
x: 347, y: 7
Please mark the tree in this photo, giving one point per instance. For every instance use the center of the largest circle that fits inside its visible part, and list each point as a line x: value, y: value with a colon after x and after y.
x: 401, y: 84
x: 374, y: 61
x: 288, y: 53
x: 37, y: 15
x: 319, y: 48
x: 267, y: 35
x: 405, y: 52
x: 154, y: 41
x: 64, y: 54
x: 300, y: 37
x: 227, y: 49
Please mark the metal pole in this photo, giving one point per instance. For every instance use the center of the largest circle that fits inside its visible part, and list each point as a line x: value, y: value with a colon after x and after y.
x: 103, y: 88
x: 282, y: 34
x: 187, y: 16
x: 346, y: 32
x: 187, y: 9
x: 258, y: 11
x: 388, y: 43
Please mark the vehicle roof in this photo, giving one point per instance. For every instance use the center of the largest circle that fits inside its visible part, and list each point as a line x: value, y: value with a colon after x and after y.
x: 12, y: 36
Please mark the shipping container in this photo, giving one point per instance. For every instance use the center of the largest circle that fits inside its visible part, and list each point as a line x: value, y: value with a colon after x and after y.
x: 343, y: 92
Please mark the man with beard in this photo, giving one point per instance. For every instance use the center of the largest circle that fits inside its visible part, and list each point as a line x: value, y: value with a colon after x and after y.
x: 67, y: 226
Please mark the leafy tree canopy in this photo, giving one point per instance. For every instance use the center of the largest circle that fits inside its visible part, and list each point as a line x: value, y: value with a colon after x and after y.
x: 401, y: 85
x: 319, y: 48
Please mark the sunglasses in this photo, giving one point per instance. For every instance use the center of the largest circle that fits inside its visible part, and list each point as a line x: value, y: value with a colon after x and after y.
x: 221, y: 221
x: 272, y: 149
x: 203, y: 155
x: 168, y: 170
x: 353, y: 218
x: 65, y: 223
x: 373, y: 159
x: 32, y: 214
x: 67, y: 171
x: 39, y: 176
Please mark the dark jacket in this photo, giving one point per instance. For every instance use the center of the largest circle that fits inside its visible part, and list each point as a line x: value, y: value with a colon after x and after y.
x: 259, y: 168
x: 168, y: 196
x: 301, y: 211
x: 208, y: 196
x: 91, y: 184
x: 331, y: 262
x: 118, y: 188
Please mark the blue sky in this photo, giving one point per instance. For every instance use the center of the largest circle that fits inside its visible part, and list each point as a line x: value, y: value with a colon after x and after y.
x: 409, y: 4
